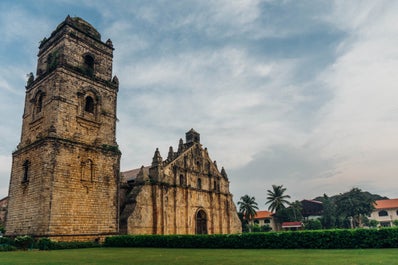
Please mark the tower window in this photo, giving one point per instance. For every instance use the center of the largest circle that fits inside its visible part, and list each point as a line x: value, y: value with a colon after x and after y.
x: 39, y: 104
x: 89, y: 64
x: 89, y: 104
x: 25, y: 177
x: 199, y: 183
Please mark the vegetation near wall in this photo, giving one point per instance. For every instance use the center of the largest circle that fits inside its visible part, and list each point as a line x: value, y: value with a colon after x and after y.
x: 317, y: 239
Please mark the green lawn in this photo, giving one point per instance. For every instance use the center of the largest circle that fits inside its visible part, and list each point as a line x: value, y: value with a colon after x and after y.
x: 151, y: 256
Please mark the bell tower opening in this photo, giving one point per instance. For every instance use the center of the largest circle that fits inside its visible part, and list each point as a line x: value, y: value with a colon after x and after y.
x: 192, y: 136
x: 89, y: 104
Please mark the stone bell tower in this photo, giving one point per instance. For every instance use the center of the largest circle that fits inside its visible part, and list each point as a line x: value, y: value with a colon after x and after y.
x: 65, y: 171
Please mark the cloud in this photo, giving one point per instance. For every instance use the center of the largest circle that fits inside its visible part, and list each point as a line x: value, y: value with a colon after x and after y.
x: 5, y: 169
x: 296, y: 167
x: 358, y: 124
x: 299, y: 93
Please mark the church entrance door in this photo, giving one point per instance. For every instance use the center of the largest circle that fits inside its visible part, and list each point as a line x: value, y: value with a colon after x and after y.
x: 201, y: 222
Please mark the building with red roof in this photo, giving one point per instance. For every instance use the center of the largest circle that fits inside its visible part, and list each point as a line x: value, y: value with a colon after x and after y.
x: 385, y: 212
x: 264, y: 218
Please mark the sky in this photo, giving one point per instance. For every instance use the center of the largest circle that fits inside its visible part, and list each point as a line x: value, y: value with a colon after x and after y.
x: 302, y: 94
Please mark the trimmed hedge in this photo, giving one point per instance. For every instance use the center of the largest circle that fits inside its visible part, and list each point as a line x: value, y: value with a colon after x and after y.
x: 7, y: 244
x: 315, y: 239
x: 47, y: 244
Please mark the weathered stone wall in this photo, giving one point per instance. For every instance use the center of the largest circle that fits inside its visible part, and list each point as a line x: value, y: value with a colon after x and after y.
x: 84, y: 196
x: 29, y: 201
x: 172, y: 210
x: 167, y: 201
x: 64, y: 194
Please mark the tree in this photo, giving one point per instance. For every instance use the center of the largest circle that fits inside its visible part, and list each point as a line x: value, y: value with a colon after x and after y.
x: 297, y: 210
x: 276, y: 198
x: 247, y: 207
x: 354, y: 205
x: 328, y: 218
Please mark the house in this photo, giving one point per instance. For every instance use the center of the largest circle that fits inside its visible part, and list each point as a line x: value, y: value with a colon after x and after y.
x: 385, y: 212
x: 264, y: 218
x: 311, y: 209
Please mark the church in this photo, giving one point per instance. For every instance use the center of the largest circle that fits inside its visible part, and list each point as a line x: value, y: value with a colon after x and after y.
x: 65, y: 180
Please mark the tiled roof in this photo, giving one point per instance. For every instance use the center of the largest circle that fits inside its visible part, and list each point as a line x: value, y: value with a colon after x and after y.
x: 386, y: 204
x: 291, y: 224
x: 263, y: 215
x: 132, y: 174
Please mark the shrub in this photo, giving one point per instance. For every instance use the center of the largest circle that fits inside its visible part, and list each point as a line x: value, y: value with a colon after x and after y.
x: 373, y: 223
x: 7, y: 244
x: 6, y: 247
x: 313, y: 225
x: 265, y: 228
x: 23, y: 242
x: 44, y: 244
x: 47, y: 244
x: 311, y: 239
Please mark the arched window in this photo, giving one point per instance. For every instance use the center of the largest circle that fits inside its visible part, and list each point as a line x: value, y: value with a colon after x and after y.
x: 199, y: 183
x: 383, y: 213
x: 89, y: 104
x: 39, y: 103
x: 201, y: 222
x: 25, y: 165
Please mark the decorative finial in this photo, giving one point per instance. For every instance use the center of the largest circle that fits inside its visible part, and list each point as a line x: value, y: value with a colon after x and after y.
x: 157, y: 159
x: 223, y: 173
x: 109, y: 43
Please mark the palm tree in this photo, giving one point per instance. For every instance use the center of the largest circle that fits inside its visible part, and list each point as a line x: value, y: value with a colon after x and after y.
x: 276, y: 199
x: 247, y: 207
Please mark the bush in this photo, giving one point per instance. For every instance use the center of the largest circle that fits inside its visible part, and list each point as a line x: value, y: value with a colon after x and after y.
x: 311, y: 239
x: 313, y: 225
x: 7, y: 244
x: 23, y: 242
x: 47, y: 244
x: 266, y: 228
x: 373, y: 223
x: 44, y: 244
x: 6, y: 247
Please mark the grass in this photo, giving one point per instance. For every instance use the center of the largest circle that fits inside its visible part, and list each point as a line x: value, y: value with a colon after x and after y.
x: 153, y: 256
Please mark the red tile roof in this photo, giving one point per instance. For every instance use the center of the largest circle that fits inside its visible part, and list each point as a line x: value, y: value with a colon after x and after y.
x: 292, y: 224
x: 263, y: 215
x: 386, y: 204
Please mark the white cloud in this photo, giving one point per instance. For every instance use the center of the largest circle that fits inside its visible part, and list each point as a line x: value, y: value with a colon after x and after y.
x: 244, y: 74
x: 359, y: 125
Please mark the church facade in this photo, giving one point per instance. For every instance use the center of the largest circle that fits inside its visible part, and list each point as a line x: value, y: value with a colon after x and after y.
x: 184, y: 194
x: 65, y: 179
